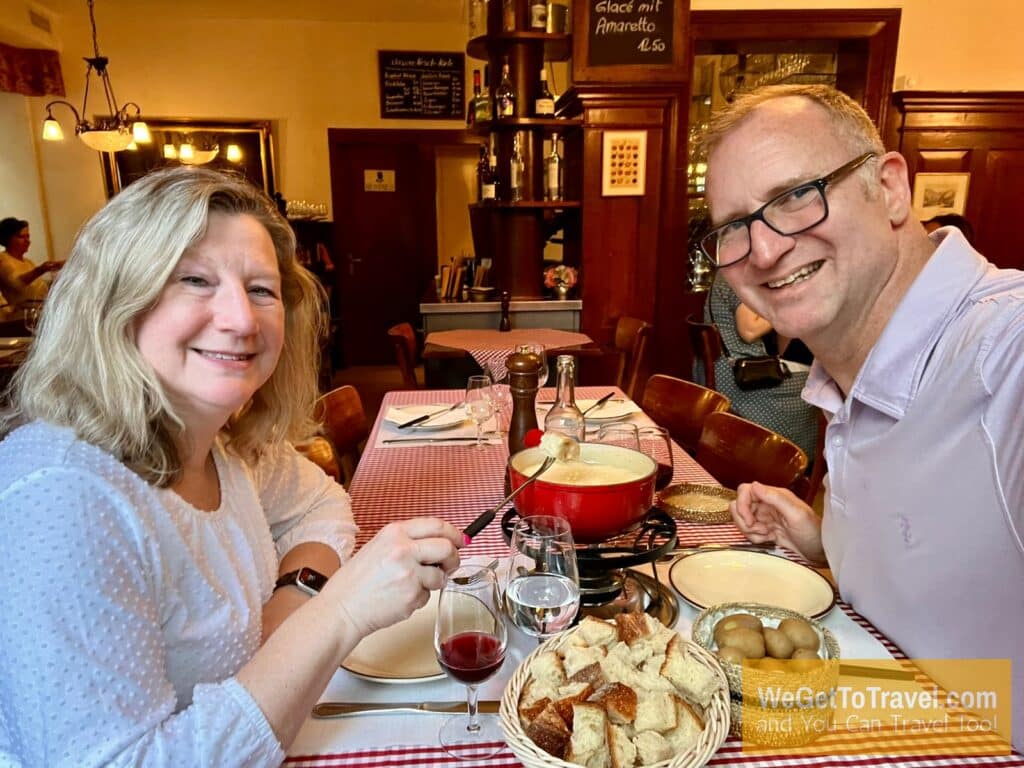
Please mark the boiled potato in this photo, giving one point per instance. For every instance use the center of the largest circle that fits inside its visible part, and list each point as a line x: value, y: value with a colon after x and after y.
x: 749, y: 642
x: 777, y: 644
x: 736, y: 621
x: 800, y: 633
x: 805, y: 653
x: 733, y: 655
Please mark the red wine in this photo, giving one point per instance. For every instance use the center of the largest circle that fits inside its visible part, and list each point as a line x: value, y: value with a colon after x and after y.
x: 664, y: 476
x: 471, y: 657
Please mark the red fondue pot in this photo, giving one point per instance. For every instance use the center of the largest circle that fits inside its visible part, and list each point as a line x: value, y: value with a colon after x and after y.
x: 594, y: 512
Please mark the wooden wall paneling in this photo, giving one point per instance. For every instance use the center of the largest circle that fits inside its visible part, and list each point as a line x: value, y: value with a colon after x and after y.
x: 977, y: 132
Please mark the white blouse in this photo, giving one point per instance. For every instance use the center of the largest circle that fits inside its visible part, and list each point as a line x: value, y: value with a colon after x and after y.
x: 125, y: 611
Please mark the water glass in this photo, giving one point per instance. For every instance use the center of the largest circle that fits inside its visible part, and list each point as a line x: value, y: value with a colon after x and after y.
x: 622, y: 435
x: 543, y: 593
x: 32, y: 313
x: 656, y: 443
x: 538, y: 349
x: 501, y: 397
x: 479, y: 404
x: 470, y: 640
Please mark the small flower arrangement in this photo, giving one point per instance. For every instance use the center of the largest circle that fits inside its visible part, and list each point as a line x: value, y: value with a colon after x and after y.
x: 560, y: 276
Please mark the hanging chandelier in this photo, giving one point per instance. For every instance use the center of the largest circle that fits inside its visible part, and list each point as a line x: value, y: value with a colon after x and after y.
x: 107, y: 133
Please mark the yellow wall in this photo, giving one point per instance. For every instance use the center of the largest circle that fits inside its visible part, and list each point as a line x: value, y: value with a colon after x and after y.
x: 308, y: 76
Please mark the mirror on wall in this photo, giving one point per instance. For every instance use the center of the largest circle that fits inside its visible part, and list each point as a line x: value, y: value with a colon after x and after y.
x: 241, y: 147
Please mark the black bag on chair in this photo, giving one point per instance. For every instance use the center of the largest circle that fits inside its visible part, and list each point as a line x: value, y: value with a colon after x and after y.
x: 759, y: 372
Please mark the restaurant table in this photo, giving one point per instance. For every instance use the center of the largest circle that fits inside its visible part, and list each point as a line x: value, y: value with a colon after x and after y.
x: 457, y: 482
x: 450, y: 357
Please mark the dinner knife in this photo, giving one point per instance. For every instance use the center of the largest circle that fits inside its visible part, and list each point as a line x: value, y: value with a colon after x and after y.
x: 328, y: 709
x: 390, y: 440
x: 598, y: 404
x: 428, y: 416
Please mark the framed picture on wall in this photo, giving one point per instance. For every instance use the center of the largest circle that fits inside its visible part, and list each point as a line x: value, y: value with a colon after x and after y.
x: 624, y: 163
x: 242, y: 147
x: 938, y: 193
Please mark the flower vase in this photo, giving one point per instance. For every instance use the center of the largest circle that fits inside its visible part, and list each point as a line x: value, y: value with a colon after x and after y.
x: 563, y: 291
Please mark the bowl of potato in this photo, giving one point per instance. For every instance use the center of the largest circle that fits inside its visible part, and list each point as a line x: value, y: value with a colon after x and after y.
x: 767, y: 648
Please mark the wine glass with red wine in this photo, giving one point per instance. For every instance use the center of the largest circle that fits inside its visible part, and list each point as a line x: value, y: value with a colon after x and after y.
x: 470, y: 639
x: 656, y: 443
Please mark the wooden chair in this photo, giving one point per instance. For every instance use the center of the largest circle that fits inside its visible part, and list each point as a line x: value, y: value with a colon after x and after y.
x: 631, y: 337
x: 320, y: 451
x: 403, y: 338
x: 681, y: 407
x: 707, y: 347
x: 808, y: 486
x: 345, y: 427
x: 736, y: 451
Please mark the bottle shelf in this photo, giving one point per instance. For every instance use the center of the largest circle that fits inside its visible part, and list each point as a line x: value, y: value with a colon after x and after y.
x: 557, y: 47
x: 549, y: 124
x: 553, y: 204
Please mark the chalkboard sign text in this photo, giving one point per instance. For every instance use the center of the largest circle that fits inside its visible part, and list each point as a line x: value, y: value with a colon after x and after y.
x: 624, y: 32
x: 422, y: 85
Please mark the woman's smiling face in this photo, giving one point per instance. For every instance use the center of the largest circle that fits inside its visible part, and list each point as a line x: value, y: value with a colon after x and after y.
x: 215, y: 335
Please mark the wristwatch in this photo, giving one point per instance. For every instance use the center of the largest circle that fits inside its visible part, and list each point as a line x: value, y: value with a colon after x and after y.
x: 306, y: 579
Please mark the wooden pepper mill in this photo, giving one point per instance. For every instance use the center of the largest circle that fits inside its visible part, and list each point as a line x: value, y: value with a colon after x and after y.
x: 505, y: 323
x: 523, y: 381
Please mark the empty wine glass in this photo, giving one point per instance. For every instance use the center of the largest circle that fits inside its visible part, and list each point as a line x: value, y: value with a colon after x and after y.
x: 656, y: 443
x: 32, y: 313
x: 500, y: 395
x: 538, y: 349
x: 479, y: 404
x: 623, y: 435
x: 470, y: 640
x: 543, y: 593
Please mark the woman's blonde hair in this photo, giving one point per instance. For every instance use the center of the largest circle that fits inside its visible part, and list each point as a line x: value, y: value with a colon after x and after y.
x: 85, y: 371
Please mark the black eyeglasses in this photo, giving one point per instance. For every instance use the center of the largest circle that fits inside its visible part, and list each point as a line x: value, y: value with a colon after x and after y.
x: 794, y: 211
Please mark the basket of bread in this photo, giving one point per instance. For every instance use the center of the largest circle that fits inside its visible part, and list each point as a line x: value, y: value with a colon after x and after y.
x: 767, y: 652
x: 616, y: 694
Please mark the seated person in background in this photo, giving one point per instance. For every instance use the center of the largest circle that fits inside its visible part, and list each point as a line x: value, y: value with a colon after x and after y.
x: 918, y: 348
x: 780, y: 408
x: 153, y: 513
x: 950, y: 220
x: 20, y: 278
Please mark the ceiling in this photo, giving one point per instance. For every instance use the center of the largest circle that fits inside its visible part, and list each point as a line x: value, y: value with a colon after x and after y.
x: 351, y: 11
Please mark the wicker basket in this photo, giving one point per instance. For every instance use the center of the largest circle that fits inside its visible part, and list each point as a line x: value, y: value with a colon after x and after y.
x: 823, y: 678
x: 716, y: 726
x: 668, y: 501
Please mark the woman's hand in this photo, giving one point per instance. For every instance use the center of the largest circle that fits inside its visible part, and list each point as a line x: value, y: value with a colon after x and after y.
x: 392, y: 575
x: 766, y: 513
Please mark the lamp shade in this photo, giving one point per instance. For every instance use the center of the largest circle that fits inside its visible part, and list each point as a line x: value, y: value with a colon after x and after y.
x: 106, y: 141
x: 140, y: 132
x: 52, y: 130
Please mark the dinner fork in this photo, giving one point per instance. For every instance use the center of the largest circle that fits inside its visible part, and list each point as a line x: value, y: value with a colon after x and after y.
x: 476, y: 576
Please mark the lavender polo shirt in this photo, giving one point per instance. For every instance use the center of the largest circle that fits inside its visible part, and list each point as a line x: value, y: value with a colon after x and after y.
x: 924, y: 503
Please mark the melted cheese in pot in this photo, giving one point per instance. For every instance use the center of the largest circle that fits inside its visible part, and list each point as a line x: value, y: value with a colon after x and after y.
x: 583, y: 473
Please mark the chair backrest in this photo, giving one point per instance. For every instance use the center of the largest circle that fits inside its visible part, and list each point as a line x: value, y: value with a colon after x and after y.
x: 736, y: 451
x: 403, y: 339
x: 345, y: 426
x: 681, y: 407
x: 631, y: 342
x: 320, y: 451
x: 706, y: 342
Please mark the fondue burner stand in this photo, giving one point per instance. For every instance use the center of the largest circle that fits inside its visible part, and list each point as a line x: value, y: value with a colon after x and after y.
x: 608, y: 582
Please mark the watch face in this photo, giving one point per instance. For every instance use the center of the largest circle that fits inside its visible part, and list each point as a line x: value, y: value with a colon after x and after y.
x: 310, y: 580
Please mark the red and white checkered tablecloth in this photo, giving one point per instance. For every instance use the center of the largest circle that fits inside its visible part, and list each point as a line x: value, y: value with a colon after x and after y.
x: 457, y: 482
x: 487, y: 346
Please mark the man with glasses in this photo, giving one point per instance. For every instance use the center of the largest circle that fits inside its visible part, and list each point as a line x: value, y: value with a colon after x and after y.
x: 919, y: 364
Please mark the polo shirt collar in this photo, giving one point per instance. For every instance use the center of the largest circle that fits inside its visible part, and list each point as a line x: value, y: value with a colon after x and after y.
x: 891, y: 375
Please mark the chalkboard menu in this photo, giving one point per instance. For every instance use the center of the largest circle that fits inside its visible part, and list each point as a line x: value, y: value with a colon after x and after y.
x: 418, y: 85
x: 630, y: 32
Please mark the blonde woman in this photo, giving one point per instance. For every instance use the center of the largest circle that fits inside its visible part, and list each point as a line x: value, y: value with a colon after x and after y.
x: 170, y: 565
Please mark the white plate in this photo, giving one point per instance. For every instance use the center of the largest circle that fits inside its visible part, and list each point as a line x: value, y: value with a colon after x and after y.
x: 738, y: 576
x: 610, y: 411
x: 448, y: 420
x: 401, y: 653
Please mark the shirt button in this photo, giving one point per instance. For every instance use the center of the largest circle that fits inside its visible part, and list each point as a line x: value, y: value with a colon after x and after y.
x: 837, y: 441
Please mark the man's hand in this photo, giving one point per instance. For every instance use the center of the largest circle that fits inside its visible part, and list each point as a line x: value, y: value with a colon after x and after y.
x: 767, y: 513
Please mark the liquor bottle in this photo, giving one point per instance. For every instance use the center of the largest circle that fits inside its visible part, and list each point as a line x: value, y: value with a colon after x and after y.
x: 482, y: 169
x: 553, y: 172
x: 483, y: 106
x: 505, y: 97
x: 508, y: 15
x: 544, y: 104
x: 474, y: 99
x: 539, y: 15
x: 565, y: 416
x: 505, y: 324
x: 489, y: 190
x: 515, y: 175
